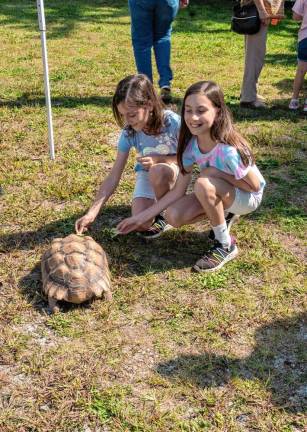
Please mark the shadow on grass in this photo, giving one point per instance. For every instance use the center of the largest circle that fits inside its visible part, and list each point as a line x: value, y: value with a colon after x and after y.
x: 128, y: 255
x: 285, y: 84
x: 282, y: 59
x: 277, y: 362
x: 34, y: 100
x: 62, y: 17
x: 277, y: 111
x: 208, y: 16
x: 31, y: 100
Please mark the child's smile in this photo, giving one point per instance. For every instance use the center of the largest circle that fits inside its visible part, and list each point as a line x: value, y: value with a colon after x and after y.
x: 134, y: 116
x: 199, y: 114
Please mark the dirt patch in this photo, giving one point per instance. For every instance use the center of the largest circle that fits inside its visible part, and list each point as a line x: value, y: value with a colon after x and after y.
x: 139, y: 354
x: 292, y: 244
x: 40, y: 334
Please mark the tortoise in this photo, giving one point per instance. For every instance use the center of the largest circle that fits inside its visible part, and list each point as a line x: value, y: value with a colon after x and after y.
x: 75, y: 269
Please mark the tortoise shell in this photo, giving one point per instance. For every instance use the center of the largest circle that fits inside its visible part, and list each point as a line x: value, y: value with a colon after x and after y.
x: 75, y: 269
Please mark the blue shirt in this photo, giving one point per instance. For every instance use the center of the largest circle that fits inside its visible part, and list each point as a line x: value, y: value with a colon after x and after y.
x: 165, y: 143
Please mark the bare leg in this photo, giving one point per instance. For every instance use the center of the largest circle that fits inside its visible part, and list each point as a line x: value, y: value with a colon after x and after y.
x: 187, y: 210
x: 192, y: 208
x: 214, y: 194
x: 162, y: 177
x: 140, y: 204
x: 299, y: 78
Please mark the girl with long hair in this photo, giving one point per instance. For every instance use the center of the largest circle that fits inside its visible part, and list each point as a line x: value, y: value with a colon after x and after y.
x: 153, y: 132
x: 229, y: 183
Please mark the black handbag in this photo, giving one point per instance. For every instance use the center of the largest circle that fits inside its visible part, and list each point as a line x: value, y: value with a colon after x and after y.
x: 245, y: 19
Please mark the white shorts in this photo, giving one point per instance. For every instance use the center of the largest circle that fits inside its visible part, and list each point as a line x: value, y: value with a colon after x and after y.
x: 143, y: 188
x: 244, y: 202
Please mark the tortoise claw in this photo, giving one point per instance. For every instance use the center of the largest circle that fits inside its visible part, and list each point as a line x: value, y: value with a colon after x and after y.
x: 108, y: 295
x: 53, y: 305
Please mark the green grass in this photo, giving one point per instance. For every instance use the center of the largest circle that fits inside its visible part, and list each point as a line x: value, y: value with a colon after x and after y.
x: 175, y: 351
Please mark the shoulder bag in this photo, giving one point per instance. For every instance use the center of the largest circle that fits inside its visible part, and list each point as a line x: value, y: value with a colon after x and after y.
x: 245, y: 19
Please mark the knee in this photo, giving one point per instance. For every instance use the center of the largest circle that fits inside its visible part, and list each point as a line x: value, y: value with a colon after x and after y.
x: 204, y: 188
x: 173, y: 216
x: 159, y: 175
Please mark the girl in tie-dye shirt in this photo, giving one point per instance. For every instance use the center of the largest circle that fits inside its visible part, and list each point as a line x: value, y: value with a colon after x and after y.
x: 229, y: 183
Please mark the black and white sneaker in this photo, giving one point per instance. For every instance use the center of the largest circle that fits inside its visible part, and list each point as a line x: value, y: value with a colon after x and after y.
x: 157, y: 228
x: 216, y: 257
x: 230, y: 219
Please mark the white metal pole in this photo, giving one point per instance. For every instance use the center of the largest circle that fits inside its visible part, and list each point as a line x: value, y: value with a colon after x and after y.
x: 42, y: 28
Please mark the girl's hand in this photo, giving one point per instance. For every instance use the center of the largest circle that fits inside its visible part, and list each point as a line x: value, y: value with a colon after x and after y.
x: 83, y: 223
x: 127, y: 225
x: 148, y: 161
x: 265, y: 18
x: 184, y: 3
x: 266, y: 21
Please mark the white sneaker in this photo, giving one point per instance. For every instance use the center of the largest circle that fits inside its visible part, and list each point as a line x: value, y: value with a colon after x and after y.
x: 294, y: 104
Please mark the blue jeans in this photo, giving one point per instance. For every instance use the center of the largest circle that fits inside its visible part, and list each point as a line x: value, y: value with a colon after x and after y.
x: 151, y: 22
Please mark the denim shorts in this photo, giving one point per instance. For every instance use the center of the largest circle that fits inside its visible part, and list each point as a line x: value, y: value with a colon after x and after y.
x: 244, y: 202
x: 143, y: 188
x: 302, y: 50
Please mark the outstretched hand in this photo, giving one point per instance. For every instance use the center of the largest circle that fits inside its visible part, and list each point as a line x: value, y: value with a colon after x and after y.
x: 127, y: 225
x: 83, y: 223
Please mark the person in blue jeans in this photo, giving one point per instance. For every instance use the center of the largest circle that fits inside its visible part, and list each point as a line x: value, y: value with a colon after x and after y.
x: 151, y: 27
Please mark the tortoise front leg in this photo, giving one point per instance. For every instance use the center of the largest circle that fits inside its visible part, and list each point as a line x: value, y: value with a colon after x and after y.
x: 107, y: 295
x: 53, y: 305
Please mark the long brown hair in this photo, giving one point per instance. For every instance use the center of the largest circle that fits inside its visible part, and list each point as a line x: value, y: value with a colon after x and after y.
x: 222, y: 130
x: 137, y: 90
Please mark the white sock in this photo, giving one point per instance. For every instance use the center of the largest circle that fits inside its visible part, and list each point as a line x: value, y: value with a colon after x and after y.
x: 222, y: 235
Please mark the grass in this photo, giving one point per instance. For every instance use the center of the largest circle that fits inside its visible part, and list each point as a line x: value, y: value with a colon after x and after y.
x: 175, y: 351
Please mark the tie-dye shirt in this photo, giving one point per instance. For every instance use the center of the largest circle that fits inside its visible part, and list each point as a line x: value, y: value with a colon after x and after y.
x: 163, y: 144
x: 224, y: 157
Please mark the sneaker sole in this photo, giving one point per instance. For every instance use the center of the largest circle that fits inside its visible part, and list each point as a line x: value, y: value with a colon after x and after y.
x: 230, y: 257
x: 166, y: 228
